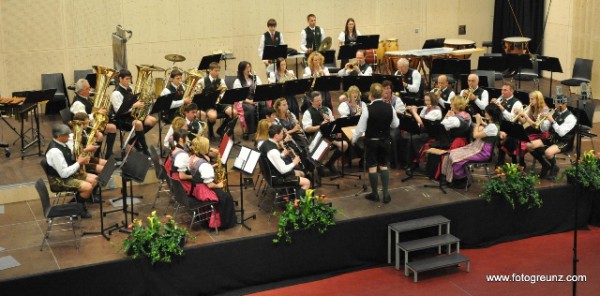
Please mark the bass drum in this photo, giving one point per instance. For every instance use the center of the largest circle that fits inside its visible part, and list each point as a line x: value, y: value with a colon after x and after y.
x: 371, y: 56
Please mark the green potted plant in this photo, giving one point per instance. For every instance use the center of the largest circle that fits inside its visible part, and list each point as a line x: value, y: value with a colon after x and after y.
x: 586, y: 172
x: 513, y: 184
x: 158, y: 241
x: 305, y: 213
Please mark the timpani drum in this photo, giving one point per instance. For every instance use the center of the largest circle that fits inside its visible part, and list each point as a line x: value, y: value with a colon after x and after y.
x: 390, y: 60
x: 460, y: 44
x: 516, y: 45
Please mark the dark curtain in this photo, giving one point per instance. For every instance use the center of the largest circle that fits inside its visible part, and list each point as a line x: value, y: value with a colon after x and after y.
x: 530, y: 16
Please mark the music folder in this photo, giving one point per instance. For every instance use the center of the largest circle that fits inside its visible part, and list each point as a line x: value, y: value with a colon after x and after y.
x: 296, y: 87
x: 127, y: 104
x: 268, y: 92
x: 367, y: 41
x: 362, y: 82
x: 235, y: 95
x: 163, y: 103
x: 396, y: 81
x: 206, y: 100
x: 206, y: 60
x: 347, y: 52
x: 328, y: 83
x: 273, y: 52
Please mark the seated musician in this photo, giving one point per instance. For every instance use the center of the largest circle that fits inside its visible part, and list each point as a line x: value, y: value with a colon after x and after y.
x: 212, y: 83
x: 316, y: 69
x: 124, y: 119
x: 478, y: 97
x: 284, y: 173
x: 270, y: 114
x: 358, y: 68
x: 510, y: 106
x: 96, y: 164
x: 194, y: 125
x: 411, y: 79
x: 175, y: 86
x: 457, y: 122
x: 178, y: 123
x: 561, y: 126
x: 485, y: 134
x: 397, y: 157
x: 281, y: 76
x: 444, y: 94
x: 247, y: 109
x: 262, y: 133
x: 422, y: 141
x: 83, y: 103
x: 210, y: 188
x: 351, y: 103
x: 65, y: 171
x: 312, y: 120
x: 285, y: 118
x: 531, y: 119
x: 375, y: 121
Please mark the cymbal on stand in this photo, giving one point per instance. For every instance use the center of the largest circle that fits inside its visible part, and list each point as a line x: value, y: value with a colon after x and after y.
x: 173, y: 57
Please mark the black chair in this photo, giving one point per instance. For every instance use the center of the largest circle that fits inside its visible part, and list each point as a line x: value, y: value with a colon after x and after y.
x: 61, y: 99
x: 281, y: 191
x: 81, y: 74
x: 492, y: 62
x: 491, y: 161
x: 582, y: 72
x: 229, y: 80
x: 66, y: 115
x: 160, y: 174
x: 70, y: 211
x: 200, y: 210
x: 60, y: 192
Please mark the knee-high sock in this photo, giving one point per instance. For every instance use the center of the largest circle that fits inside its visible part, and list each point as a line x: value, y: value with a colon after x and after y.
x: 110, y: 142
x: 385, y: 181
x: 373, y: 181
x: 538, y: 154
x: 147, y: 128
x: 336, y: 154
x: 141, y: 139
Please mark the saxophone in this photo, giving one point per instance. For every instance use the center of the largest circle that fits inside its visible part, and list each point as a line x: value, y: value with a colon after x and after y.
x: 220, y: 174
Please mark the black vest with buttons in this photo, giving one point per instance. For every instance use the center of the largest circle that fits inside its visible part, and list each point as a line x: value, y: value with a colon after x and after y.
x: 127, y: 95
x: 179, y: 90
x: 269, y: 41
x: 560, y: 119
x: 473, y: 108
x: 66, y: 153
x: 508, y: 105
x: 379, y: 121
x: 462, y: 131
x: 211, y: 86
x: 313, y: 41
x: 316, y: 116
x: 264, y: 150
x: 85, y: 102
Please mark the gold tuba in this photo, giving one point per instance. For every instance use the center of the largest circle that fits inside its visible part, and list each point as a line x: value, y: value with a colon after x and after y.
x: 78, y: 127
x: 146, y: 90
x: 192, y: 79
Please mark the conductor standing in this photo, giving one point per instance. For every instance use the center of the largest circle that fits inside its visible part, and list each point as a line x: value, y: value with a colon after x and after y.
x: 376, y: 121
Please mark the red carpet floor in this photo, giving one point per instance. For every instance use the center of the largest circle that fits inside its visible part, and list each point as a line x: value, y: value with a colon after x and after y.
x: 544, y: 255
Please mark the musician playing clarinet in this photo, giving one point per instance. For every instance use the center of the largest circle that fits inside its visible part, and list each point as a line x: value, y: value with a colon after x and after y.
x: 376, y: 122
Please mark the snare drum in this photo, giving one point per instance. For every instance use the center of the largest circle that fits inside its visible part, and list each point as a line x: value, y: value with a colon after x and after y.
x: 516, y: 45
x: 371, y: 56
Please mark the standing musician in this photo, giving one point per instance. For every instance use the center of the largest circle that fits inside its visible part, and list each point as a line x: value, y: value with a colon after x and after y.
x: 282, y: 173
x: 314, y: 70
x: 84, y: 103
x: 124, y: 120
x: 348, y: 36
x: 376, y: 121
x: 400, y: 108
x: 270, y: 37
x: 281, y: 76
x: 478, y: 97
x: 561, y: 125
x: 411, y: 79
x: 510, y: 107
x: 212, y: 83
x: 209, y: 189
x: 312, y: 36
x: 175, y: 86
x: 444, y: 94
x: 247, y: 109
x: 312, y: 120
x: 65, y: 171
x: 351, y: 103
x: 422, y: 141
x: 358, y: 68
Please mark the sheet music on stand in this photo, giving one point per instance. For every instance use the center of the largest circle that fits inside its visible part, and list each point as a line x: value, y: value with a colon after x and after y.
x: 315, y: 141
x: 319, y: 147
x: 246, y: 160
x: 225, y: 149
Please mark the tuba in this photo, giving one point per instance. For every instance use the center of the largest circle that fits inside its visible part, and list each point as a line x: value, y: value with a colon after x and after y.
x: 78, y: 127
x: 192, y: 79
x: 144, y: 86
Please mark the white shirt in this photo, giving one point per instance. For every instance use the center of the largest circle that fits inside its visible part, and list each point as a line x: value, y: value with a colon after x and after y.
x: 307, y: 119
x: 303, y: 38
x: 416, y: 78
x: 484, y: 100
x: 562, y: 129
x: 443, y: 102
x: 509, y: 115
x: 116, y: 99
x: 272, y: 77
x: 344, y: 109
x: 364, y: 117
x: 78, y: 107
x: 57, y: 161
x: 174, y: 104
x: 308, y: 72
x: 433, y: 115
x: 399, y: 106
x: 261, y: 45
x: 491, y: 130
x: 342, y: 36
x: 207, y: 173
x: 238, y: 84
x: 182, y: 162
x: 275, y: 157
x: 450, y: 122
x: 368, y: 72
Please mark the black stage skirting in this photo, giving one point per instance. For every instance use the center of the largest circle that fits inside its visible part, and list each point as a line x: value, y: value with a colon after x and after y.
x: 357, y: 243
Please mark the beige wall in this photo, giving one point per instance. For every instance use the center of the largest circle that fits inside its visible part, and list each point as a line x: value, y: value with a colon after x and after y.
x: 63, y: 35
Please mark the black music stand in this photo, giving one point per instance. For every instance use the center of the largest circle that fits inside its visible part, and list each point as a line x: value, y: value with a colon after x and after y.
x: 91, y: 78
x: 397, y: 85
x: 296, y: 87
x: 162, y: 105
x: 410, y: 126
x: 232, y: 96
x: 362, y: 82
x: 206, y: 100
x: 437, y: 131
x: 551, y: 64
x: 329, y: 56
x: 347, y: 52
x: 206, y: 60
x: 367, y: 41
x: 328, y: 83
x: 245, y: 163
x: 434, y: 43
x: 134, y: 168
x: 124, y: 109
x: 103, y: 179
x: 273, y: 52
x: 515, y: 131
x: 518, y: 62
x: 336, y: 128
x: 317, y: 150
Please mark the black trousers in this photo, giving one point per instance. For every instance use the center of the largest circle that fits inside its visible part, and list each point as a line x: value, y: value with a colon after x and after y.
x: 378, y: 152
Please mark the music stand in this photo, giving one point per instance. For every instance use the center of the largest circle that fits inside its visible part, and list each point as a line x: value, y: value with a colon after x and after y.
x: 245, y: 163
x: 273, y: 52
x: 518, y: 61
x: 516, y: 131
x: 362, y: 82
x: 336, y: 128
x: 434, y: 43
x: 329, y: 56
x: 410, y: 126
x: 317, y: 150
x: 328, y: 83
x: 206, y: 100
x: 551, y: 64
x: 367, y: 41
x: 162, y: 105
x: 232, y: 96
x: 103, y: 179
x: 437, y: 131
x: 396, y: 81
x: 206, y: 60
x: 347, y: 52
x: 296, y: 87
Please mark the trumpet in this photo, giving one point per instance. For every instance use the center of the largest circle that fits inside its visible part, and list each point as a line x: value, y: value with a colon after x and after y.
x: 351, y: 66
x: 467, y: 96
x: 436, y: 91
x: 525, y: 110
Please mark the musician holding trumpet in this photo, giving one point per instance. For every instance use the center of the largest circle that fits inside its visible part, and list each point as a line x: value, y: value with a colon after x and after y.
x: 510, y: 107
x: 443, y: 94
x: 357, y: 68
x: 478, y: 97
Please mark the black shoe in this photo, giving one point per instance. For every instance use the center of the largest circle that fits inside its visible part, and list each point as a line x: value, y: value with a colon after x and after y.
x: 320, y: 171
x: 552, y: 176
x: 544, y: 171
x: 332, y: 169
x: 94, y: 199
x: 387, y: 199
x: 86, y: 215
x: 372, y: 196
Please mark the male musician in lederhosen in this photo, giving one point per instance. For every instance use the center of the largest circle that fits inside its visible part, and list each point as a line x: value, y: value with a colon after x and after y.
x: 65, y: 171
x: 312, y: 120
x: 281, y: 172
x: 411, y: 79
x: 84, y: 103
x: 311, y: 36
x: 509, y: 105
x: 376, y: 122
x: 444, y: 93
x: 213, y: 83
x: 175, y: 86
x: 479, y: 99
x: 361, y: 68
x: 124, y: 119
x: 396, y: 102
x: 562, y: 129
x: 269, y: 38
